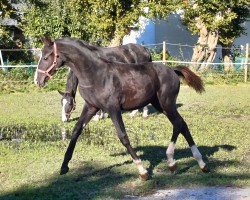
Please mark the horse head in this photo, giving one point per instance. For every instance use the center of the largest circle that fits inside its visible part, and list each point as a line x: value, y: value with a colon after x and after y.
x: 68, y: 105
x: 49, y: 62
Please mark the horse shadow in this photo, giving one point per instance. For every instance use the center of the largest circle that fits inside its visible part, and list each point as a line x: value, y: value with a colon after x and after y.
x: 80, y: 182
x: 156, y: 154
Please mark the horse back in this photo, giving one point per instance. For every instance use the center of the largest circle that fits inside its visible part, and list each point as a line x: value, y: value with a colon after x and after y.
x: 129, y: 53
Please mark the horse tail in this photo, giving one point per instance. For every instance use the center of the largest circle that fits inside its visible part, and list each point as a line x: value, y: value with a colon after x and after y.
x: 192, y: 80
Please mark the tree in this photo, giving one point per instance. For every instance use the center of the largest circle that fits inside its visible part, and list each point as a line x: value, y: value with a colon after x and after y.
x: 91, y: 20
x: 7, y: 12
x: 11, y: 35
x: 216, y: 22
x: 100, y: 21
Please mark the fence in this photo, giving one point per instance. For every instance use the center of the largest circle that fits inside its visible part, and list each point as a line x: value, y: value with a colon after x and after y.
x: 240, y: 62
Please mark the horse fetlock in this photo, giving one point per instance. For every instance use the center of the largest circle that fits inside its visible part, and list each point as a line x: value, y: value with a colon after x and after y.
x: 205, y: 169
x: 172, y: 164
x: 142, y: 171
x: 133, y: 113
x: 144, y: 177
x: 64, y: 170
x: 198, y: 157
x: 170, y: 153
x: 145, y: 115
x: 96, y: 118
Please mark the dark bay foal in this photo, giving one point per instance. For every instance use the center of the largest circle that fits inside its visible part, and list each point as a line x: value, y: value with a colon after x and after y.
x: 119, y: 87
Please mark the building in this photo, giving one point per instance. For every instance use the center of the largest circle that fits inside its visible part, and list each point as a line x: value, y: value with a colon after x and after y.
x: 179, y: 41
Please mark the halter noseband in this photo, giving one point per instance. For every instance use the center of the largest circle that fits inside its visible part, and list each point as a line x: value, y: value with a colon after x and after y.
x: 53, y: 64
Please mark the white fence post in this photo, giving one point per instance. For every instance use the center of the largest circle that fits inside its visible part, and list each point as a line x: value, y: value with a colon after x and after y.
x: 2, y: 63
x: 164, y: 51
x: 1, y: 60
x: 246, y: 62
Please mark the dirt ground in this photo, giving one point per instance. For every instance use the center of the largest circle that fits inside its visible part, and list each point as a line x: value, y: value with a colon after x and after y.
x: 203, y: 193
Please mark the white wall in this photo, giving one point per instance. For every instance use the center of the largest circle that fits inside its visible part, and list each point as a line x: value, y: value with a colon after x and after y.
x: 145, y: 34
x: 172, y: 31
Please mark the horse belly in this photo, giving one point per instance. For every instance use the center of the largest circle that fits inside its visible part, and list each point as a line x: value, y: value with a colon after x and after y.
x: 137, y: 97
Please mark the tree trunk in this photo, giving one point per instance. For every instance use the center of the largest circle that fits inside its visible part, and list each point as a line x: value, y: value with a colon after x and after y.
x: 212, y: 41
x: 117, y: 40
x: 227, y: 57
x: 199, y: 49
x: 205, y: 49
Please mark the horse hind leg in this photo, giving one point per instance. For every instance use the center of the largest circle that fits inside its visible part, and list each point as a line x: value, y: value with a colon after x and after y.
x: 99, y: 115
x: 196, y: 153
x: 133, y: 113
x: 144, y: 114
x: 170, y: 150
x: 180, y: 126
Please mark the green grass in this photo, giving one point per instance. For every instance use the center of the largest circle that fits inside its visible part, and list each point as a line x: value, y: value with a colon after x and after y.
x: 101, y: 168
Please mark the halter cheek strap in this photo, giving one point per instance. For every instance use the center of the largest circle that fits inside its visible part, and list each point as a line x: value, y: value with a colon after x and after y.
x: 53, y: 64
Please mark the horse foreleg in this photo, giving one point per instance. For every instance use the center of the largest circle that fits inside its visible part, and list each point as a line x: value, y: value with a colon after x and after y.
x: 120, y: 128
x: 145, y: 112
x: 133, y: 113
x: 86, y: 115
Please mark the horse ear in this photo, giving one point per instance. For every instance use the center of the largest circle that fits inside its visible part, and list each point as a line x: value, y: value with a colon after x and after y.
x: 47, y: 40
x: 60, y: 92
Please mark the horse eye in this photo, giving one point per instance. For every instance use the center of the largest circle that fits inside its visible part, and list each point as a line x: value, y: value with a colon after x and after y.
x: 45, y: 58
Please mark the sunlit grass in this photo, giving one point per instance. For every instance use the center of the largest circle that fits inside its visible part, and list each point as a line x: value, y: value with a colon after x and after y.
x: 32, y: 153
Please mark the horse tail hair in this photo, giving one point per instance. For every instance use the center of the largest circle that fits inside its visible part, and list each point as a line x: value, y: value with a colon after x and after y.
x: 190, y: 78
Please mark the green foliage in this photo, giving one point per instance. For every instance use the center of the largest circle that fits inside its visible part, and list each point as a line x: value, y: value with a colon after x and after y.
x: 8, y: 11
x: 224, y: 17
x: 97, y: 21
x: 160, y: 9
x: 88, y: 20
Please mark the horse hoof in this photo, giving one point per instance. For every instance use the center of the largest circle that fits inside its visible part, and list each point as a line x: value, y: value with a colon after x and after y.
x: 64, y: 170
x: 144, y: 177
x: 172, y: 168
x: 205, y: 169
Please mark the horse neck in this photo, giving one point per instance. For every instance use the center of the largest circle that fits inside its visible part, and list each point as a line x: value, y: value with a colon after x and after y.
x: 80, y: 59
x: 72, y: 82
